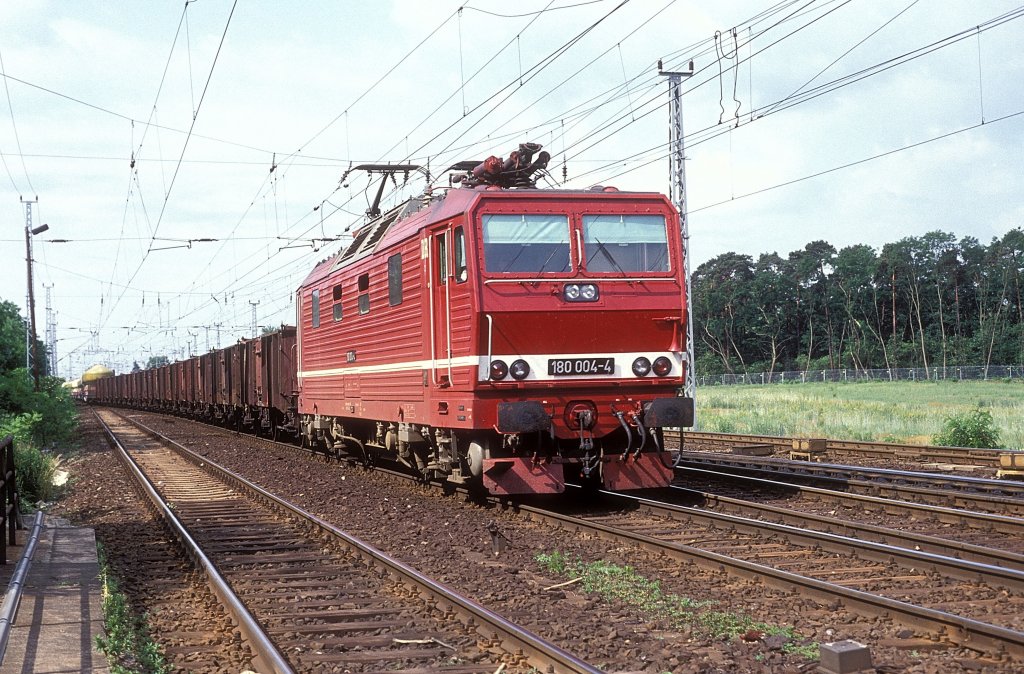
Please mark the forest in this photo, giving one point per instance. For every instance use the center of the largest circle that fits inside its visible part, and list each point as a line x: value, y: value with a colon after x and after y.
x: 924, y: 301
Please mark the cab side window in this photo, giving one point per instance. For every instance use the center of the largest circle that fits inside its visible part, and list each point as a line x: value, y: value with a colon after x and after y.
x: 460, y: 256
x: 336, y: 309
x: 442, y: 259
x: 395, y: 279
x: 363, y: 286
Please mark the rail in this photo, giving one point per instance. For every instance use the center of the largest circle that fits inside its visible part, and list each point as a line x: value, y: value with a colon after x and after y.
x: 965, y: 632
x: 516, y: 639
x: 711, y: 440
x: 267, y: 657
x: 9, y: 485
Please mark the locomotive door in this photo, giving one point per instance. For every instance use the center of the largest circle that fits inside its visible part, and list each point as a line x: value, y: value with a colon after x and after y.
x: 449, y: 302
x: 440, y: 309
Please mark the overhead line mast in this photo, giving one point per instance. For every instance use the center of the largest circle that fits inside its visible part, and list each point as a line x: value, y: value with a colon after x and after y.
x: 677, y: 181
x: 32, y: 348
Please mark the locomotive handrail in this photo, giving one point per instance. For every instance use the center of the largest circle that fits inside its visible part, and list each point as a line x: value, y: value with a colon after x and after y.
x: 448, y: 297
x: 490, y: 336
x: 430, y: 292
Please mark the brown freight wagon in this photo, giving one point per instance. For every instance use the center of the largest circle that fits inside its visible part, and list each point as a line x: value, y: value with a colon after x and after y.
x: 237, y: 360
x: 221, y: 400
x: 206, y: 390
x: 177, y: 387
x: 190, y: 384
x: 148, y: 388
x: 276, y: 383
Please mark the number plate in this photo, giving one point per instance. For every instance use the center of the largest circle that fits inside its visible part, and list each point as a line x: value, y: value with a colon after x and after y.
x: 575, y: 367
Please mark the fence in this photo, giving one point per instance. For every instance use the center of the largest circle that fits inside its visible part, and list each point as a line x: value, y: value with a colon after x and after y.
x: 967, y: 372
x: 9, y: 494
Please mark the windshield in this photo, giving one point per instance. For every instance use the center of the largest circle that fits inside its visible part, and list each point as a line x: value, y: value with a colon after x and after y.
x: 531, y: 244
x: 625, y: 243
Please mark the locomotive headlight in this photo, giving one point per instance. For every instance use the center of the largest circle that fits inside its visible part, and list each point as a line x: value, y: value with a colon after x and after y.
x: 662, y: 366
x: 580, y: 292
x: 641, y: 367
x: 519, y: 369
x: 499, y: 370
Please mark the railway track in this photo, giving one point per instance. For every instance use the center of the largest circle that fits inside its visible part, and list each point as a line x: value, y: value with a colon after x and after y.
x: 852, y: 448
x: 984, y: 537
x: 919, y: 590
x: 994, y: 496
x: 924, y: 592
x: 307, y: 596
x: 971, y: 601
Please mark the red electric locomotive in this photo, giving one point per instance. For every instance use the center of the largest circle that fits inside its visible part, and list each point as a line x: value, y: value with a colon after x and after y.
x: 502, y: 333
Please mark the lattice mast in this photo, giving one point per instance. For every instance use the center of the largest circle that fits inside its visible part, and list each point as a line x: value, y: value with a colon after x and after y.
x: 677, y: 180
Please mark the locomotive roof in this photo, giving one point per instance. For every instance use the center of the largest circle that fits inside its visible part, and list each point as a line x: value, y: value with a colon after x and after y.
x: 414, y: 214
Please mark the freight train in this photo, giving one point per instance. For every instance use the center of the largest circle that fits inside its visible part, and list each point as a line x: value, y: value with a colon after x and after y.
x: 489, y: 333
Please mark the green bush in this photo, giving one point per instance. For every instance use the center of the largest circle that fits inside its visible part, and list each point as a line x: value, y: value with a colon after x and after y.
x: 56, y: 418
x: 970, y: 429
x: 33, y: 469
x: 33, y: 474
x: 38, y: 420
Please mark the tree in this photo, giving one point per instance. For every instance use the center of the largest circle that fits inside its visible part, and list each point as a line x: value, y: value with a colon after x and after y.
x: 12, y: 337
x: 721, y: 301
x: 41, y: 417
x: 156, y: 361
x: 773, y: 289
x: 918, y: 302
x: 136, y: 367
x: 811, y: 268
x: 853, y: 278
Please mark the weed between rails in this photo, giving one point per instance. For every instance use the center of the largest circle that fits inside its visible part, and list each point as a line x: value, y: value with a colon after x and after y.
x: 127, y: 643
x: 623, y: 583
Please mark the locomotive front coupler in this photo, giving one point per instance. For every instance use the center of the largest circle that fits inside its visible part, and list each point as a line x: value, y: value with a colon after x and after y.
x: 584, y: 420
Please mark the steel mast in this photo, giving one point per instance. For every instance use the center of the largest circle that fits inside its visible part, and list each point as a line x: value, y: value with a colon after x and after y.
x: 677, y: 180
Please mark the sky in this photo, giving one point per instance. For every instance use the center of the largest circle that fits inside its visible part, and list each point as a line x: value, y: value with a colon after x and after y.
x: 191, y: 159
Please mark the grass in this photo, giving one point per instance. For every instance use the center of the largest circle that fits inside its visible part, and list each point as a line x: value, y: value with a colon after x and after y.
x: 34, y: 472
x: 127, y: 643
x: 906, y: 412
x: 624, y: 584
